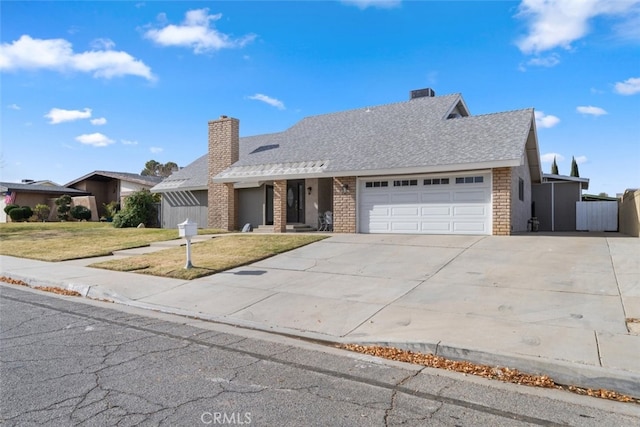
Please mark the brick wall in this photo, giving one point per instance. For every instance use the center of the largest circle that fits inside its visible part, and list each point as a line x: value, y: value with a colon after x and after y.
x: 344, y: 205
x: 280, y: 206
x: 501, y: 201
x: 223, y: 152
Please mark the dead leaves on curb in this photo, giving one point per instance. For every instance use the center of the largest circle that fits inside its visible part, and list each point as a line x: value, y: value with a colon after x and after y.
x: 52, y: 289
x: 495, y: 373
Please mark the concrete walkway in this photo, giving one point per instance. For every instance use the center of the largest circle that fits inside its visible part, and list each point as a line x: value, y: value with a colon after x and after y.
x: 548, y: 304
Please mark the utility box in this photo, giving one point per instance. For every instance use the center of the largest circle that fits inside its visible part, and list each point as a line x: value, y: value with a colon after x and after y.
x: 188, y: 229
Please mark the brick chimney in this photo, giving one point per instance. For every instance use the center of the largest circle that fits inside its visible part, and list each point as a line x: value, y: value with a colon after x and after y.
x: 224, y: 137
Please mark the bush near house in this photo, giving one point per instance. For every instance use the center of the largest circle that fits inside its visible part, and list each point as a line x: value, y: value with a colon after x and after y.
x: 139, y: 208
x: 80, y: 213
x: 9, y: 207
x: 20, y: 213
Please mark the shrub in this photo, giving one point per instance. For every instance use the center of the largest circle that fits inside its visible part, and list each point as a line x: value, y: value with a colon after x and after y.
x: 10, y: 207
x: 110, y: 209
x: 42, y: 212
x: 80, y: 212
x: 20, y: 214
x: 63, y: 204
x: 138, y: 208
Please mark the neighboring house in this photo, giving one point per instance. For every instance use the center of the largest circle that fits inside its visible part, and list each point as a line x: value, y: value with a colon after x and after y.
x: 112, y: 186
x: 30, y: 193
x: 420, y: 166
x: 554, y: 201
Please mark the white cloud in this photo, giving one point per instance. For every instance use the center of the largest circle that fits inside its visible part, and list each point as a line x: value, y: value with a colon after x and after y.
x: 628, y: 87
x: 364, y: 4
x: 13, y: 107
x: 58, y: 115
x: 103, y: 44
x: 581, y: 159
x: 546, y: 120
x: 197, y: 33
x: 545, y: 61
x: 156, y: 150
x: 58, y: 55
x: 99, y: 121
x: 128, y: 142
x: 558, y: 23
x: 268, y: 100
x: 591, y: 110
x: 95, y: 139
x: 548, y: 157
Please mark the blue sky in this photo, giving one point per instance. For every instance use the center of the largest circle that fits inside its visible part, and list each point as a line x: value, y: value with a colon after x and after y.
x: 110, y: 85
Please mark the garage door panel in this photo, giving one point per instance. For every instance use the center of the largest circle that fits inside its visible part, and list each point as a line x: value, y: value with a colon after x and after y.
x: 404, y: 198
x: 400, y: 211
x: 436, y: 197
x: 400, y: 226
x: 469, y: 210
x: 470, y: 196
x: 377, y: 211
x: 436, y: 227
x: 379, y: 227
x: 371, y: 199
x: 476, y: 227
x: 435, y: 210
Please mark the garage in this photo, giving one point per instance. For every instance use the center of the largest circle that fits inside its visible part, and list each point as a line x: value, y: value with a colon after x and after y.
x: 426, y: 204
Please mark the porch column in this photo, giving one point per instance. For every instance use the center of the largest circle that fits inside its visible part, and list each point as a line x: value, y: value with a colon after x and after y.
x: 344, y: 204
x: 501, y: 201
x: 280, y: 206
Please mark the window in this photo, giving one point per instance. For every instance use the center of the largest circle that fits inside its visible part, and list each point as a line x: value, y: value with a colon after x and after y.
x: 521, y: 189
x: 405, y: 182
x: 470, y: 180
x: 436, y: 181
x: 376, y: 184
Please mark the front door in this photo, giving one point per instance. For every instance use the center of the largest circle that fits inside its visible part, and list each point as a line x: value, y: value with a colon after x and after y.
x: 268, y: 213
x: 295, y: 201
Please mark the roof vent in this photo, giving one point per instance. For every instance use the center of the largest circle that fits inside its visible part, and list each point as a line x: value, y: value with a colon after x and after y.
x: 422, y: 93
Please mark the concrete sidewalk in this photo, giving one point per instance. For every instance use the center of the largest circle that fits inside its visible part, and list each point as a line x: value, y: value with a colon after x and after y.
x: 547, y: 304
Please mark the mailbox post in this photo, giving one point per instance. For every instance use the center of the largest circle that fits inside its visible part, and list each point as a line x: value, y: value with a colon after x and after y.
x: 187, y: 230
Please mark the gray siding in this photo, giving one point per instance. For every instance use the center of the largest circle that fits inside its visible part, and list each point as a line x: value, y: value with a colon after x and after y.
x: 520, y: 209
x: 542, y: 199
x: 176, y: 207
x: 251, y: 205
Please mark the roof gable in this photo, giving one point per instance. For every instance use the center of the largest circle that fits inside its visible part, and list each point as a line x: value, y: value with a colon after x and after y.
x: 122, y: 176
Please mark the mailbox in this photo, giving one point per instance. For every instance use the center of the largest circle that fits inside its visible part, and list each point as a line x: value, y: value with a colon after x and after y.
x: 188, y: 229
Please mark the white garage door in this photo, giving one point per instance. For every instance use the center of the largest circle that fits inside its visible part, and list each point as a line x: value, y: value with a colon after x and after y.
x: 453, y: 204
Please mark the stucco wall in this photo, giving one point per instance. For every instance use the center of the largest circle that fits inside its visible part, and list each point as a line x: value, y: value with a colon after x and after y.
x: 629, y: 213
x: 520, y: 209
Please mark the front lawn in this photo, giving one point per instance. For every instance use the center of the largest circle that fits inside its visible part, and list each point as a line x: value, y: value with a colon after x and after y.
x: 212, y: 256
x: 61, y: 241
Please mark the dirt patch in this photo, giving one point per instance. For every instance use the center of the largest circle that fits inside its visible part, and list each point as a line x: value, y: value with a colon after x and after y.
x: 633, y: 325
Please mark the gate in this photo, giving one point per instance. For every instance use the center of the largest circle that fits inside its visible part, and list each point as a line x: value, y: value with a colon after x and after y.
x: 597, y: 216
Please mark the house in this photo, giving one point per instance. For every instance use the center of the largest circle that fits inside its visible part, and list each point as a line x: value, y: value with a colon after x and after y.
x: 425, y: 165
x: 31, y: 193
x: 108, y: 186
x: 554, y: 201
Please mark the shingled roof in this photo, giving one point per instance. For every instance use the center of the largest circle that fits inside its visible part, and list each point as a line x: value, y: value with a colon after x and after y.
x: 123, y: 176
x: 415, y: 136
x: 35, y: 188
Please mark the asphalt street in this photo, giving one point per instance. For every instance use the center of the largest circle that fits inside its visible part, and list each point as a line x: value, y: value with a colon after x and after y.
x: 67, y: 361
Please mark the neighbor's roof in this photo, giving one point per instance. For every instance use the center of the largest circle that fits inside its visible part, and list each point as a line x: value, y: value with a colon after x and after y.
x: 406, y: 137
x: 189, y: 178
x: 549, y: 177
x: 35, y: 188
x: 123, y: 176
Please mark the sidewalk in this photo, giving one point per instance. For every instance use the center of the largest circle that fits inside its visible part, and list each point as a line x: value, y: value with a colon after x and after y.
x: 542, y: 304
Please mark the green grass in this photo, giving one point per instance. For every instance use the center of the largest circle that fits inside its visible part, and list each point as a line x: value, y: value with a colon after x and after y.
x: 212, y: 256
x: 60, y: 241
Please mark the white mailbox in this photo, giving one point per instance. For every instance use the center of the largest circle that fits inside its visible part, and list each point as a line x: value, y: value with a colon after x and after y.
x: 187, y: 229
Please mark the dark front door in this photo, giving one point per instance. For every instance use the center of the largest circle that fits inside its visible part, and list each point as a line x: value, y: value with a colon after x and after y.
x: 295, y: 201
x: 268, y: 211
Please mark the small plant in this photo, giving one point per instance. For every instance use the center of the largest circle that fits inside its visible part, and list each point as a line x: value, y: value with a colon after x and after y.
x: 80, y: 213
x: 42, y: 212
x: 63, y: 204
x: 110, y: 209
